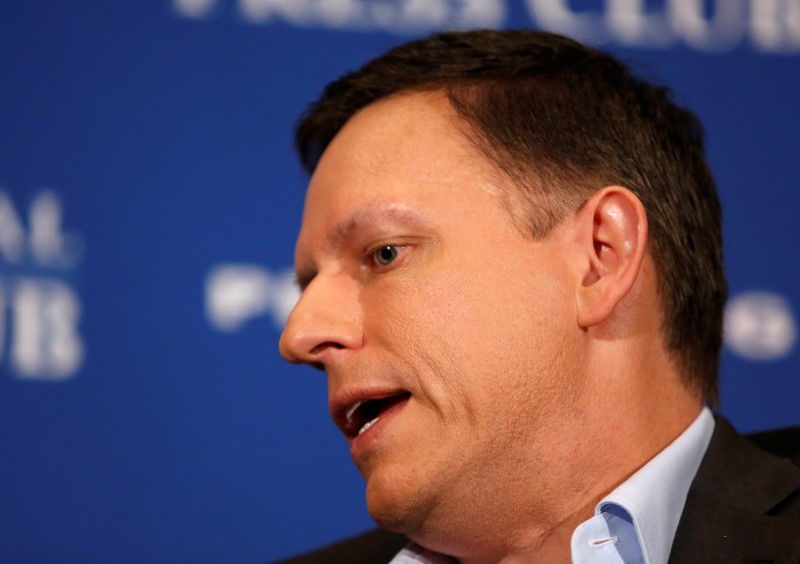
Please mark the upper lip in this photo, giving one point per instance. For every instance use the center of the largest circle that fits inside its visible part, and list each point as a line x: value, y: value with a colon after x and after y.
x: 346, y: 401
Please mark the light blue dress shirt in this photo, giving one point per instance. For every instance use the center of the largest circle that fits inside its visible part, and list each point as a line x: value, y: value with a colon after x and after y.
x: 636, y: 522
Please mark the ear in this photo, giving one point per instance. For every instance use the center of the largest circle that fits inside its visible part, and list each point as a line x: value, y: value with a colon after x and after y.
x: 612, y: 235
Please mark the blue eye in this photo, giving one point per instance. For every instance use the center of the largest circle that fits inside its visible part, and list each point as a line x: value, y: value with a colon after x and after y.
x: 386, y: 255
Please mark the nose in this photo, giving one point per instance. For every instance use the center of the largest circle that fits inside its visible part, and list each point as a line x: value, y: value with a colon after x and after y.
x: 324, y: 324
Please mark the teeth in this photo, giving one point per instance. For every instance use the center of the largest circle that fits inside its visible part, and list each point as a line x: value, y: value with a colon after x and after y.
x: 368, y: 425
x: 352, y: 410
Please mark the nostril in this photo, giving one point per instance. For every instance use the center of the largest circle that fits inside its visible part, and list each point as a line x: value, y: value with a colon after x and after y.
x: 322, y: 347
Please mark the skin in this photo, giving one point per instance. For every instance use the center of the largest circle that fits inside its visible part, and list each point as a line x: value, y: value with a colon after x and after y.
x: 537, y: 374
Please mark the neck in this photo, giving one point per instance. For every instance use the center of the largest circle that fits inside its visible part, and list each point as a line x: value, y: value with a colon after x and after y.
x: 521, y: 517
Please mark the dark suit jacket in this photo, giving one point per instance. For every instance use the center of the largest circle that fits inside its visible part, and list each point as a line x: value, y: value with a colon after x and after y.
x: 744, y: 503
x: 743, y: 507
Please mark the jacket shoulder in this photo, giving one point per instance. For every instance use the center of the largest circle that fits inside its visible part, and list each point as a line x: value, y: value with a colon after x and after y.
x: 744, y: 502
x: 373, y: 547
x: 780, y: 442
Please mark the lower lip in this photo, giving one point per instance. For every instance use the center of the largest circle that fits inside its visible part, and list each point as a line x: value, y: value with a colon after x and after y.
x: 368, y: 439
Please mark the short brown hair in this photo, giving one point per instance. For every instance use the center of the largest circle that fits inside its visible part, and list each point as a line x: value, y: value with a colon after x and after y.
x: 563, y: 120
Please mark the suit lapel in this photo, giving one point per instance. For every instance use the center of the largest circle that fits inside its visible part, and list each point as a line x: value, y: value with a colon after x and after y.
x: 743, y: 505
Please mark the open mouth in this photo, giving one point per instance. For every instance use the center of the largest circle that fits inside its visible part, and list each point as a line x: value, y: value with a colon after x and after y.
x: 364, y: 414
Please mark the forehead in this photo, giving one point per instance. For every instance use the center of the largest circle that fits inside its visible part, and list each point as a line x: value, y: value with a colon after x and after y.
x: 409, y: 133
x: 407, y: 150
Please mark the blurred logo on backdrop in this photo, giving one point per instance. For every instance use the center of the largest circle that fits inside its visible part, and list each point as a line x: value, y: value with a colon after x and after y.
x: 39, y: 307
x: 770, y: 26
x: 237, y: 293
x: 759, y: 326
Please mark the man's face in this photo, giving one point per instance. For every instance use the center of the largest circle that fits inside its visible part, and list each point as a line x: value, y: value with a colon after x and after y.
x: 447, y: 336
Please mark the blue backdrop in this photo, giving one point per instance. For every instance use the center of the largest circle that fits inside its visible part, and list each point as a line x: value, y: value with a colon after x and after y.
x: 149, y: 200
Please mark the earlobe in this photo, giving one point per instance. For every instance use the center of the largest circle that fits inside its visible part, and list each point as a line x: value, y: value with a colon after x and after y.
x: 614, y: 240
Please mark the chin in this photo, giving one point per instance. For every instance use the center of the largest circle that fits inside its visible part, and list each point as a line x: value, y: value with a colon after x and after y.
x: 396, y: 504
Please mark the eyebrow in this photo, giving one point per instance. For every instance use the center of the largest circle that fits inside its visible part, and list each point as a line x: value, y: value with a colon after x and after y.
x: 344, y: 229
x: 394, y: 213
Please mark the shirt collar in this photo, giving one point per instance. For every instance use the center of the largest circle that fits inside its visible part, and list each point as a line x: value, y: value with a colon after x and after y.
x: 655, y: 495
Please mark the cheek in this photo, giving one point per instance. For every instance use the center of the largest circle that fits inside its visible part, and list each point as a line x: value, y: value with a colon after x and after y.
x: 480, y: 345
x: 428, y: 328
x: 464, y: 326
